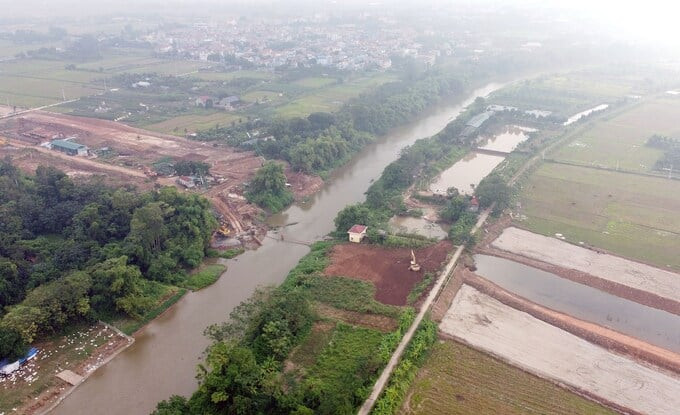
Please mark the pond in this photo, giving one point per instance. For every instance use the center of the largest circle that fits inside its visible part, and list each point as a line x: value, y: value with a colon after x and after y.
x: 651, y: 325
x: 466, y: 174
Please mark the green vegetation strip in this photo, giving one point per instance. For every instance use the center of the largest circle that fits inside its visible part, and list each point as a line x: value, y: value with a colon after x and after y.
x: 204, y: 277
x: 132, y: 326
x: 402, y: 377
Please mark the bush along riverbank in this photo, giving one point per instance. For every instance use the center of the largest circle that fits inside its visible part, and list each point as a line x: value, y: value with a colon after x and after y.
x: 291, y: 349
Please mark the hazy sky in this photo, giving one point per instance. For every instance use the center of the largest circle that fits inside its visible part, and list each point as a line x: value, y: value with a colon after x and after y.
x: 644, y: 20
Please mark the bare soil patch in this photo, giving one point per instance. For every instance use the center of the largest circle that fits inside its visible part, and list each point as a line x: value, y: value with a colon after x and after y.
x: 550, y: 352
x: 386, y: 268
x: 372, y: 321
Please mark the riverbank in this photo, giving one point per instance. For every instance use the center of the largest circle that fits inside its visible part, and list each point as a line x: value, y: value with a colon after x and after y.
x: 36, y: 389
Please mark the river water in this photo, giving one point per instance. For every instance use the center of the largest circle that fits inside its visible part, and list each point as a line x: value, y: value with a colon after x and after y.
x: 163, y: 359
x: 651, y: 325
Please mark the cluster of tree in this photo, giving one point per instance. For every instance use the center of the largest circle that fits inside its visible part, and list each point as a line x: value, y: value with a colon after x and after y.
x: 192, y: 168
x: 243, y: 368
x: 671, y: 156
x: 322, y: 141
x: 31, y: 36
x: 72, y: 251
x: 493, y: 189
x: 85, y: 48
x: 268, y: 188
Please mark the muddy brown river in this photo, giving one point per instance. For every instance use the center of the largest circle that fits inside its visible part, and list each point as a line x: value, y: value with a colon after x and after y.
x: 163, y: 359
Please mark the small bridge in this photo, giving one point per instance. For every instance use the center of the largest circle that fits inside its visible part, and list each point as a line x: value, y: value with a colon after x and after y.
x: 283, y: 238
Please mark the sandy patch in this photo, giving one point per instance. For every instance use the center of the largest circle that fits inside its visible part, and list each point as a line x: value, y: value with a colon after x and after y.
x: 550, y: 352
x: 632, y: 274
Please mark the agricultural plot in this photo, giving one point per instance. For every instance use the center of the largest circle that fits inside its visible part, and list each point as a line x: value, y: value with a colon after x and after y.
x: 612, y: 268
x: 387, y: 269
x: 619, y: 142
x: 316, y: 82
x: 194, y: 122
x: 564, y: 95
x: 331, y: 98
x: 459, y: 380
x: 631, y: 215
x: 550, y: 352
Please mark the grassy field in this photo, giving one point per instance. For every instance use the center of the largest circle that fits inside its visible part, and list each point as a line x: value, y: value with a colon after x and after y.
x: 204, y: 276
x: 457, y: 379
x: 268, y: 96
x: 228, y: 76
x: 620, y: 140
x: 315, y: 82
x: 194, y: 122
x: 331, y: 98
x: 565, y: 94
x: 631, y: 215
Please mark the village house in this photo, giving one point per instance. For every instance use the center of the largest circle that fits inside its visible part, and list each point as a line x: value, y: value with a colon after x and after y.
x: 69, y: 147
x: 474, y: 205
x: 228, y: 103
x: 186, y: 181
x: 205, y: 101
x: 357, y: 233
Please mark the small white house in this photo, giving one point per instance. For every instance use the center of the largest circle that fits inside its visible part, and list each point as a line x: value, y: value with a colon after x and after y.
x: 357, y: 233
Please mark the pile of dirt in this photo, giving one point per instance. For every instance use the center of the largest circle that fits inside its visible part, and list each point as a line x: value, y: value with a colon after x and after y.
x: 303, y: 185
x: 386, y: 268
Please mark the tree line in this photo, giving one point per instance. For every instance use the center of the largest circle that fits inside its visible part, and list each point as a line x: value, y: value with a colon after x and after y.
x: 323, y: 141
x: 74, y: 251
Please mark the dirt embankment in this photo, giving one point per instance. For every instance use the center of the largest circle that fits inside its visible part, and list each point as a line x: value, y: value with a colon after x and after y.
x: 609, y: 339
x: 386, y: 268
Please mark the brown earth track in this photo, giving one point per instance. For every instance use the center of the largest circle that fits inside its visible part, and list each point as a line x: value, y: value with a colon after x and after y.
x: 386, y: 268
x: 607, y: 338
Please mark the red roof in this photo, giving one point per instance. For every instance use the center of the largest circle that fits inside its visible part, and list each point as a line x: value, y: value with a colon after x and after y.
x: 357, y: 229
x: 474, y: 201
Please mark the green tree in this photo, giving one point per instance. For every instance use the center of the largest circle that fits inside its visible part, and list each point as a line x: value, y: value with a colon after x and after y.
x: 494, y: 189
x: 353, y: 214
x: 268, y: 188
x: 12, y: 345
x: 115, y: 284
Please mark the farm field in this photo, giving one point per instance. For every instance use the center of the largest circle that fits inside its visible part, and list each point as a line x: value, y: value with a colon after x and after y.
x: 550, y: 352
x: 630, y: 215
x: 331, y: 98
x: 194, y: 122
x: 566, y: 94
x: 386, y: 268
x: 619, y: 141
x: 459, y: 380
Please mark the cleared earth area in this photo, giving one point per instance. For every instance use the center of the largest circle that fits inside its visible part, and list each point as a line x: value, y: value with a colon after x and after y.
x: 631, y: 215
x: 550, y: 352
x: 459, y: 380
x: 622, y: 271
x: 386, y: 268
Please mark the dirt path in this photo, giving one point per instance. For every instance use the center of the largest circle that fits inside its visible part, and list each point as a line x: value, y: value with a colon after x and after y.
x: 86, y: 163
x: 425, y: 308
x: 548, y: 351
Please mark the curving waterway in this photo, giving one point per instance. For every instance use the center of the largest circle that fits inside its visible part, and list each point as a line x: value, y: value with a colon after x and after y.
x: 163, y: 359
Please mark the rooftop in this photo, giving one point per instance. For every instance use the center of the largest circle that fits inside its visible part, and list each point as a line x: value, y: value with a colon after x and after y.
x: 70, y: 145
x: 357, y: 229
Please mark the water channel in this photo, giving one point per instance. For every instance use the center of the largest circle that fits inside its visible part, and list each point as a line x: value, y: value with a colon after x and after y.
x: 651, y: 325
x: 163, y: 359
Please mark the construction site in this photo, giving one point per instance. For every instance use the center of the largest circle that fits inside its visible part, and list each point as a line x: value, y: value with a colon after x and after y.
x: 126, y: 155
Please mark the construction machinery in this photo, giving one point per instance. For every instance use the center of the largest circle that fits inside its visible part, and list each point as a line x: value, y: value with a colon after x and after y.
x: 414, y: 265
